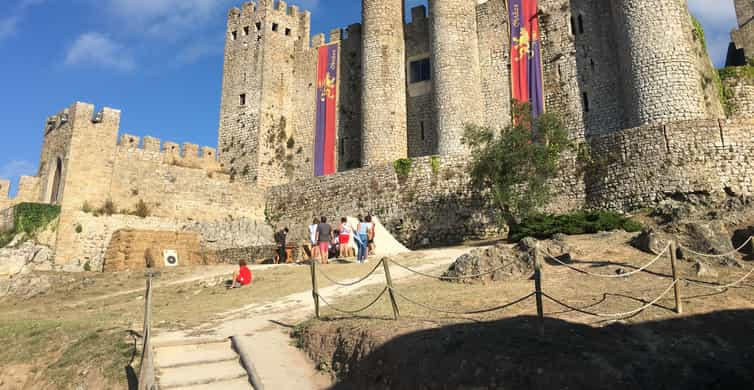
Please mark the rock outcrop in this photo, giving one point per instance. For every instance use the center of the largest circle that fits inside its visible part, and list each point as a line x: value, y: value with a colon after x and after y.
x: 506, y: 262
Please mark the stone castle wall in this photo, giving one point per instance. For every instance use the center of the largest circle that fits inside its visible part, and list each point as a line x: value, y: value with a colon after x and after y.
x: 739, y: 90
x: 640, y: 166
x: 83, y: 165
x: 631, y: 169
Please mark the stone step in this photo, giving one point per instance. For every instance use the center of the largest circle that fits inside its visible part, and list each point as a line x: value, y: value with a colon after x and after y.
x: 200, y: 374
x: 235, y: 384
x: 184, y: 355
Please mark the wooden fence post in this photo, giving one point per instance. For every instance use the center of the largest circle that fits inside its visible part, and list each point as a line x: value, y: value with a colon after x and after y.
x: 677, y: 286
x: 538, y: 290
x: 146, y: 367
x: 389, y: 281
x: 315, y: 290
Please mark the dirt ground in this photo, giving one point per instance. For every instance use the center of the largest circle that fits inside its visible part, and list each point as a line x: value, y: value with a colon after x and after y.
x: 711, y: 345
x: 84, y: 333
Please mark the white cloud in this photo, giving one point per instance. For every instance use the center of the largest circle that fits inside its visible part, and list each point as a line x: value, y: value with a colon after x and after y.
x: 16, y: 168
x: 8, y: 27
x: 96, y: 49
x: 718, y: 18
x: 168, y: 18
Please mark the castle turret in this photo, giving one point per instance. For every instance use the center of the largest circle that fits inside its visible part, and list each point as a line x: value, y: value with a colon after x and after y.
x: 384, y: 136
x: 455, y: 70
x: 661, y: 81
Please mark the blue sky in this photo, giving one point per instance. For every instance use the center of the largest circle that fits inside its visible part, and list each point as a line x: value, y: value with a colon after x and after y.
x: 159, y: 61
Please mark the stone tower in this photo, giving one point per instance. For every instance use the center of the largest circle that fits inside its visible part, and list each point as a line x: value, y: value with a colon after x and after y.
x: 455, y: 70
x: 661, y: 82
x: 258, y: 90
x: 384, y: 136
x: 742, y: 38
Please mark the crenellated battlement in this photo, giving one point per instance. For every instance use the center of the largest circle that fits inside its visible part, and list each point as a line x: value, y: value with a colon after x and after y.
x: 187, y: 155
x: 268, y: 17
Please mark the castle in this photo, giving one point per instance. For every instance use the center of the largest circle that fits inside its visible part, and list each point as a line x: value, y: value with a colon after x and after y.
x: 630, y: 78
x: 407, y: 90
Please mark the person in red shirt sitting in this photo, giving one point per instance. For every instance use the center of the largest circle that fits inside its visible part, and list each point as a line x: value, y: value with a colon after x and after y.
x: 243, y: 276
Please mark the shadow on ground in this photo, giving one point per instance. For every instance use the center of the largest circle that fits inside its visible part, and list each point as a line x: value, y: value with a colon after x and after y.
x: 710, y: 351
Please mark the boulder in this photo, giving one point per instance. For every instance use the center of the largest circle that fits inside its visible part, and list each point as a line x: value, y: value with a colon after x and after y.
x: 481, y: 261
x: 25, y: 285
x: 708, y: 237
x: 650, y: 241
x: 233, y: 233
x: 24, y: 258
x: 704, y: 270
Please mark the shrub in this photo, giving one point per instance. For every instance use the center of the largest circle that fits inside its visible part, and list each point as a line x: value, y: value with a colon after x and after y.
x: 79, y: 228
x: 108, y: 208
x: 142, y: 209
x: 434, y: 163
x: 86, y: 207
x: 31, y: 217
x: 87, y: 266
x: 542, y: 226
x: 402, y: 167
x: 517, y: 166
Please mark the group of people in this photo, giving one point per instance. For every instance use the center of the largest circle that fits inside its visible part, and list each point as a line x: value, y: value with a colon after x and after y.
x: 327, y: 242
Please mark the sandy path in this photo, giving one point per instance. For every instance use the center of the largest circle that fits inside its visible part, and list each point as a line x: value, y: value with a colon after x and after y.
x: 265, y: 328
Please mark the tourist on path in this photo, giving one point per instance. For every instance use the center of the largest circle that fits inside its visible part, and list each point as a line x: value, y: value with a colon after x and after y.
x: 344, y: 237
x: 363, y: 240
x: 280, y: 238
x: 324, y: 236
x: 243, y: 276
x: 314, y: 250
x: 370, y: 242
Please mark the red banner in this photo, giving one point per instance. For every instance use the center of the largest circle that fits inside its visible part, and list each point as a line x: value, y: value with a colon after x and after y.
x: 526, y: 54
x: 327, y: 91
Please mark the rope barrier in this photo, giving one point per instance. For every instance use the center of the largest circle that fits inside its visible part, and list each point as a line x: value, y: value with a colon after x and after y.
x: 344, y: 284
x: 723, y: 287
x: 636, y: 271
x: 625, y: 314
x: 451, y: 277
x: 343, y: 311
x: 735, y: 251
x: 497, y: 308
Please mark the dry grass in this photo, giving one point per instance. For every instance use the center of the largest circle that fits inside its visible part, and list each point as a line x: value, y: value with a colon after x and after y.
x: 81, y: 330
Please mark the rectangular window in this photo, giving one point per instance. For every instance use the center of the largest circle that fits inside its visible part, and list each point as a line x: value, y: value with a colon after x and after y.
x: 259, y: 26
x: 246, y: 30
x: 420, y: 71
x: 234, y: 35
x: 288, y: 31
x: 274, y: 27
x: 342, y: 147
x: 422, y: 127
x: 586, y: 102
x: 242, y: 99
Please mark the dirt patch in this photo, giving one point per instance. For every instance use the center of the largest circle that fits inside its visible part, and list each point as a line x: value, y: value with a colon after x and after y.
x: 707, y: 347
x: 677, y: 353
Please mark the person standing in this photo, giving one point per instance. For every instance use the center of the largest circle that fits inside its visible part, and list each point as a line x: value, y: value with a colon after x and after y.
x: 323, y: 238
x: 362, y: 241
x: 370, y: 235
x: 313, y: 239
x: 344, y: 237
x: 280, y: 239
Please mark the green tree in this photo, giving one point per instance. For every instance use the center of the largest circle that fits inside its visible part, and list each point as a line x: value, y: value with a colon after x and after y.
x: 517, y: 165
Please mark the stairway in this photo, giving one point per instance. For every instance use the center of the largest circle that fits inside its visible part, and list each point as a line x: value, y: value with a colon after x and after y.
x: 200, y: 365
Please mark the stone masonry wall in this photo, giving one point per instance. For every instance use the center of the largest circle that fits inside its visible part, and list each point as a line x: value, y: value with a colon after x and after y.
x: 739, y: 90
x: 425, y: 207
x: 637, y: 167
x: 383, y: 82
x: 456, y: 79
x: 422, y: 137
x: 661, y: 82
